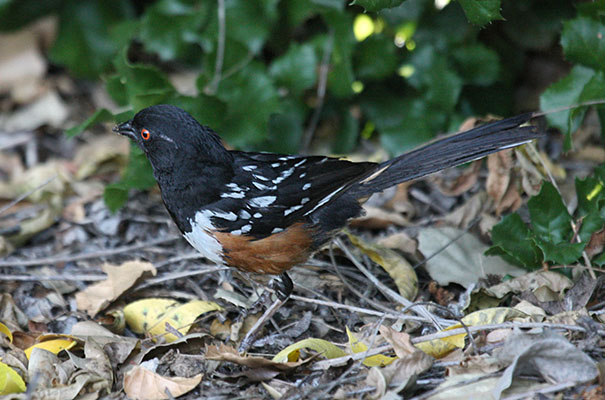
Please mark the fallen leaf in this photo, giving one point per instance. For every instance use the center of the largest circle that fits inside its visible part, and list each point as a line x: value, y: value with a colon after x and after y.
x: 398, y: 268
x: 48, y: 109
x: 531, y: 281
x: 462, y: 184
x: 499, y: 166
x: 7, y: 332
x: 378, y: 218
x: 458, y: 257
x: 119, y: 279
x: 439, y: 348
x: 10, y: 381
x: 152, y: 315
x: 141, y: 383
x: 101, y: 150
x: 53, y: 346
x: 357, y: 346
x: 323, y: 347
x: 545, y: 354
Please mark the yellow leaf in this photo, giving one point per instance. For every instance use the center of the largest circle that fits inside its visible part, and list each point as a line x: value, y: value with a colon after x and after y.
x: 396, y: 266
x: 357, y: 346
x: 10, y: 381
x: 152, y: 315
x: 53, y: 345
x: 292, y: 352
x: 439, y: 348
x: 4, y: 329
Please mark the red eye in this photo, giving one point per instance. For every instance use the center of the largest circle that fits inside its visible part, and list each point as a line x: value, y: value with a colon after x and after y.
x: 145, y: 134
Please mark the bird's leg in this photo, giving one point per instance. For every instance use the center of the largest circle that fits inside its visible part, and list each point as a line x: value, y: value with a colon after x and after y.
x: 283, y: 289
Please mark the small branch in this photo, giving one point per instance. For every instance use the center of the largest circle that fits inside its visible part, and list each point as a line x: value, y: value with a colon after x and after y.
x: 322, y: 83
x: 212, y: 87
x: 560, y: 109
x: 25, y: 195
x: 86, y: 256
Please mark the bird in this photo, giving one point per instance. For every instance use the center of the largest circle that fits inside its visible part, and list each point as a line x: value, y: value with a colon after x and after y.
x: 265, y: 212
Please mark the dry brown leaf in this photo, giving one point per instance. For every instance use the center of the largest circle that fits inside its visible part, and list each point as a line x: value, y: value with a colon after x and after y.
x: 142, y: 383
x: 399, y: 241
x: 476, y: 364
x: 377, y: 218
x: 99, y: 151
x: 462, y: 184
x: 499, y: 166
x: 227, y: 353
x: 596, y: 243
x: 511, y: 200
x: 462, y: 216
x: 400, y: 201
x: 119, y: 279
x: 20, y: 60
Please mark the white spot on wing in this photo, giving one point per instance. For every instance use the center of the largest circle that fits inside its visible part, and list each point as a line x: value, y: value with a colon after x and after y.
x: 201, y: 239
x: 292, y: 209
x: 257, y: 215
x: 301, y: 162
x: 260, y: 177
x: 246, y: 228
x: 283, y: 175
x: 305, y: 200
x: 260, y: 186
x: 324, y: 200
x: 249, y: 167
x: 229, y: 216
x: 306, y: 186
x: 276, y: 230
x: 302, y: 175
x: 262, y: 201
x: 244, y: 214
x: 275, y: 165
x: 234, y: 195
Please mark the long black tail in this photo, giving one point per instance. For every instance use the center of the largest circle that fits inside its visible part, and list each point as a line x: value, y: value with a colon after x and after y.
x: 448, y: 152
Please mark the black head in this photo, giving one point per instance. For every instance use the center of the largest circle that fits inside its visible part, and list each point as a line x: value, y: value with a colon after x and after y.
x: 169, y: 135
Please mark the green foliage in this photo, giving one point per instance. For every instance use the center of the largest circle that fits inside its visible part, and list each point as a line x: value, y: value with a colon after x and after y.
x: 398, y: 70
x: 551, y: 238
x: 583, y: 43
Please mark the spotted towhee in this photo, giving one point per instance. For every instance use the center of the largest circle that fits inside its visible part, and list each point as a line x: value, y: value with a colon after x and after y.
x: 264, y: 212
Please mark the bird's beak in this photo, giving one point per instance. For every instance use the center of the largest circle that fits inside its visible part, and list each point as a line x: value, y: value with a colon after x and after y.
x: 125, y: 129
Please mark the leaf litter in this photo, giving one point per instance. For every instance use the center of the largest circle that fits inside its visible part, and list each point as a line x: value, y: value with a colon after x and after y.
x: 87, y: 321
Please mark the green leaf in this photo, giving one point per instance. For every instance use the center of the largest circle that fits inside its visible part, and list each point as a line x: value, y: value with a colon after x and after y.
x: 296, y: 69
x: 101, y: 115
x: 593, y: 9
x: 583, y: 41
x: 599, y: 260
x: 591, y: 223
x: 115, y: 196
x: 563, y: 93
x: 285, y: 132
x: 174, y: 39
x: 251, y: 98
x: 481, y: 12
x: 16, y: 13
x: 377, y: 5
x: 340, y: 77
x: 513, y: 241
x: 477, y: 64
x: 347, y: 134
x: 563, y: 253
x: 145, y: 85
x: 250, y: 22
x: 368, y: 52
x: 549, y: 217
x: 439, y: 85
x: 83, y: 43
x: 136, y: 176
x: 590, y: 191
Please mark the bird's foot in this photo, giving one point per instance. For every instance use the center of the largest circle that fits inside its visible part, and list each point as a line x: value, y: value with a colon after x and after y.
x: 283, y: 289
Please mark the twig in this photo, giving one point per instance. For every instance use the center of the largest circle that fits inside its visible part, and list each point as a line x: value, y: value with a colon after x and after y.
x: 587, y: 263
x: 212, y: 87
x: 531, y: 394
x: 324, y: 364
x: 86, y: 256
x: 367, y: 311
x: 565, y: 108
x: 322, y: 82
x: 178, y: 275
x: 26, y: 194
x: 383, y: 288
